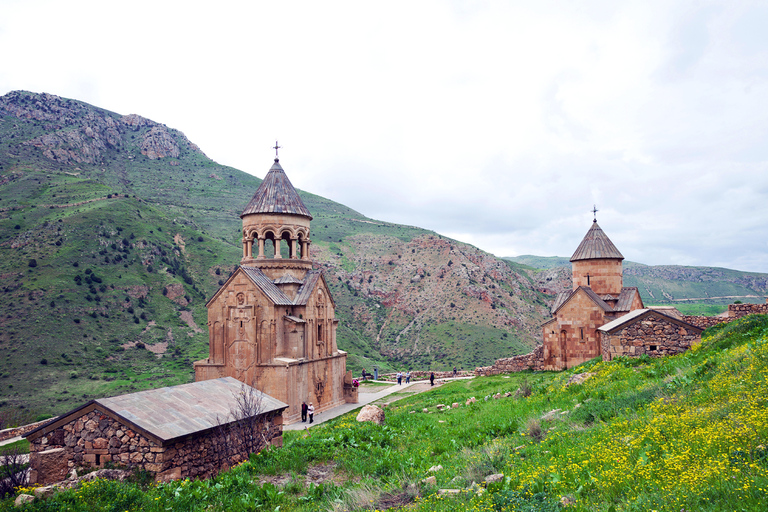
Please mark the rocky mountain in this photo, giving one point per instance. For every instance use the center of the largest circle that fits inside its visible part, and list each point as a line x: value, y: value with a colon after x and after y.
x: 115, y: 230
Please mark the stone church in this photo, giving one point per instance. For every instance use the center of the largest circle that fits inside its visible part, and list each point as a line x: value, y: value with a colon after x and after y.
x: 598, y: 296
x: 272, y: 324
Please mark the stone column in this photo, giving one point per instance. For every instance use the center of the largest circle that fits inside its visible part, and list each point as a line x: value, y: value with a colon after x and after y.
x: 261, y: 247
x: 305, y: 249
x: 293, y: 249
x: 249, y: 244
x: 277, y: 249
x: 245, y: 248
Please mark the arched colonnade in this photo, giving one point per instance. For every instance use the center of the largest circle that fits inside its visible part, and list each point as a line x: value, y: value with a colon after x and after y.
x: 271, y: 238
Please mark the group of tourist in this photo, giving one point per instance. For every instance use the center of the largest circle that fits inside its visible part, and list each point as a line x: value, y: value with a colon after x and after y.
x: 407, y: 375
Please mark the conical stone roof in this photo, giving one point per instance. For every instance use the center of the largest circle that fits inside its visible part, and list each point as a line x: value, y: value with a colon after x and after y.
x: 276, y: 195
x: 596, y: 246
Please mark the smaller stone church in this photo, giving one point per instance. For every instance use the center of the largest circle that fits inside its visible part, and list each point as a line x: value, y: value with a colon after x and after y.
x: 272, y: 324
x: 600, y: 316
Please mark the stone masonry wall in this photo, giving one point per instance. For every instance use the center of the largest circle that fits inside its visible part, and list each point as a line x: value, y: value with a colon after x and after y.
x: 734, y: 311
x: 653, y: 336
x: 96, y: 438
x: 532, y: 361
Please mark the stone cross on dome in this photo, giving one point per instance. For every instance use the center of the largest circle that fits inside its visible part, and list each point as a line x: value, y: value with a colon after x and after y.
x: 276, y: 147
x: 594, y: 211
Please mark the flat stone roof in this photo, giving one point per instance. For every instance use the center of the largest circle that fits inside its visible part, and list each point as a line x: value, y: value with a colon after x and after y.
x: 177, y: 411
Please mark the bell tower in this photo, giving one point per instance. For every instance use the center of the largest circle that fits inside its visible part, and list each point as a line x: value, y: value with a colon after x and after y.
x: 276, y: 228
x: 596, y: 263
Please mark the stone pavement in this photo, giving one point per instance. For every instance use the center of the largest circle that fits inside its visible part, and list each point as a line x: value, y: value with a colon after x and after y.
x: 364, y: 399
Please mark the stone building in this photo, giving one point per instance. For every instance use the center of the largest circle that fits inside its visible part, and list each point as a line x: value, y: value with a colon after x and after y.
x: 598, y: 297
x: 272, y: 324
x: 175, y: 432
x: 600, y: 316
x: 647, y: 331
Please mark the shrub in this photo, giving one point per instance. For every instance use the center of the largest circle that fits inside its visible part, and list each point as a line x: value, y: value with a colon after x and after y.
x: 534, y: 430
x: 32, y: 263
x: 73, y: 375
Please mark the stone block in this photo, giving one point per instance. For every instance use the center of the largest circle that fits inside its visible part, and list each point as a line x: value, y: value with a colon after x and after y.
x: 277, y: 441
x: 168, y: 475
x: 51, y: 465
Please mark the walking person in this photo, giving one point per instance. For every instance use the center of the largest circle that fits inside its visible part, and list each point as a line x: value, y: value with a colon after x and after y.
x: 311, y: 412
x: 303, y: 412
x: 399, y: 378
x: 408, y: 377
x: 454, y: 372
x: 432, y: 378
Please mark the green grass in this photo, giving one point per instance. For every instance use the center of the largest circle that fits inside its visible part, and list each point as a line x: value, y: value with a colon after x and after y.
x: 22, y: 446
x: 686, y: 432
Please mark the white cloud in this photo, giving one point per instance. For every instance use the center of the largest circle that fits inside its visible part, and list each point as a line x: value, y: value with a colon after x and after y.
x: 497, y: 123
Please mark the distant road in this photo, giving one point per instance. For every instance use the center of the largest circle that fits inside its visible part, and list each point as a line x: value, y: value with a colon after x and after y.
x: 725, y: 297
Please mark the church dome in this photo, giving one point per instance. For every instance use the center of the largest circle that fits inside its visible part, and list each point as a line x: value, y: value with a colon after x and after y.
x: 276, y: 195
x: 596, y: 246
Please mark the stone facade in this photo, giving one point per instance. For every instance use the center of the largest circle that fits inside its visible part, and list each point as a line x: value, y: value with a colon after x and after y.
x: 191, y: 430
x: 96, y: 436
x: 272, y: 325
x: 651, y: 333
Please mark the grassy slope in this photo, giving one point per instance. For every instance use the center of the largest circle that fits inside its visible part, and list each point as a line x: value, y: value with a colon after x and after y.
x: 677, y: 433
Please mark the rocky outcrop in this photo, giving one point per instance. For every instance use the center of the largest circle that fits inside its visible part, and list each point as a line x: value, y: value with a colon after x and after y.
x: 158, y: 143
x: 79, y: 133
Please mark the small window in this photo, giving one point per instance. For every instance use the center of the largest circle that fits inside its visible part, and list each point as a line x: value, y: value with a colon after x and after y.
x: 652, y: 347
x: 582, y: 332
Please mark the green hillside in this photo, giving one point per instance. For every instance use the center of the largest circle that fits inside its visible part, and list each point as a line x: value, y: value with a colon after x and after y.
x: 686, y: 432
x: 115, y: 230
x: 675, y: 284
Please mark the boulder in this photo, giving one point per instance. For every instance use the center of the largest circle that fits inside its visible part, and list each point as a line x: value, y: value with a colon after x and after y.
x: 550, y: 415
x: 430, y: 480
x: 435, y: 468
x: 578, y: 378
x: 455, y: 405
x: 371, y: 413
x: 21, y: 499
x: 107, y: 474
x: 496, y: 477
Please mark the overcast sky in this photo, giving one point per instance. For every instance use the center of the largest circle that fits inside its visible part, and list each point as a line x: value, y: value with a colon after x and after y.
x: 496, y: 123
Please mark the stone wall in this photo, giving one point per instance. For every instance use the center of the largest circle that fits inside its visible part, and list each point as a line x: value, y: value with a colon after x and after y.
x: 734, y: 311
x: 740, y: 310
x: 96, y: 438
x: 532, y: 361
x: 705, y: 321
x: 9, y: 433
x: 654, y: 336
